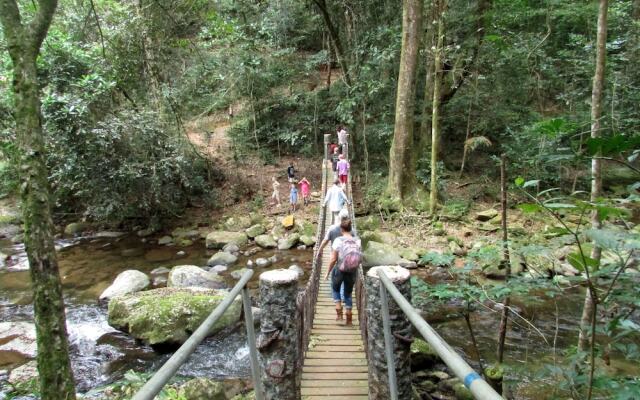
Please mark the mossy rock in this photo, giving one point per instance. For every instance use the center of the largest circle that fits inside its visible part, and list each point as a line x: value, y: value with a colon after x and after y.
x: 308, y: 240
x: 76, y: 228
x: 237, y: 224
x: 255, y: 230
x: 368, y: 223
x: 266, y: 241
x: 305, y: 228
x: 422, y: 355
x: 381, y: 254
x: 288, y: 242
x: 410, y: 253
x: 369, y: 236
x: 219, y: 239
x: 202, y: 389
x: 169, y: 315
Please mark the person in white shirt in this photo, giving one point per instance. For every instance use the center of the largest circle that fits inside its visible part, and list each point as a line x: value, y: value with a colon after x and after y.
x: 342, y: 138
x: 335, y: 198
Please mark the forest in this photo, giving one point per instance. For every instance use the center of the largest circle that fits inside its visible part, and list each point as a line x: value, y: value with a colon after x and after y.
x: 494, y: 147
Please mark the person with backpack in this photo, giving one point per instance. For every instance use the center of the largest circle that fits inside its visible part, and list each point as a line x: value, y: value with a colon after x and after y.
x: 291, y: 172
x: 346, y: 256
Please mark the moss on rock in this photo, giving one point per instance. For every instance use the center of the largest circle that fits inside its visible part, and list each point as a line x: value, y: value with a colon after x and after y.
x: 169, y: 315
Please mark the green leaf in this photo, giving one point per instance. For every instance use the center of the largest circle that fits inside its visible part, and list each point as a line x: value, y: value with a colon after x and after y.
x: 578, y: 262
x: 530, y: 207
x: 519, y: 181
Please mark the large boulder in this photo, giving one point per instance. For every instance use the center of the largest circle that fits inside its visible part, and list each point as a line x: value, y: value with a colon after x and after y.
x: 169, y: 315
x: 76, y: 228
x: 308, y: 240
x: 129, y: 281
x: 18, y: 337
x: 266, y: 242
x: 184, y: 276
x: 381, y: 254
x: 218, y: 239
x: 255, y: 230
x: 288, y: 242
x: 222, y: 258
x: 237, y: 224
x: 486, y: 215
x: 202, y: 389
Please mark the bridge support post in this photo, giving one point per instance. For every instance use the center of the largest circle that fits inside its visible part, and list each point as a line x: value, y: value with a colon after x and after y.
x: 278, y: 339
x: 401, y: 336
x: 327, y: 140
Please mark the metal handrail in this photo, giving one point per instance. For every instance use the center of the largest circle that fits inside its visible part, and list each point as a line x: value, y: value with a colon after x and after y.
x: 479, y: 388
x: 171, y: 366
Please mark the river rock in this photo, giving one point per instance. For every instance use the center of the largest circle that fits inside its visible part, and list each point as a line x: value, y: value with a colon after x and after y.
x: 288, y: 242
x: 76, y: 228
x: 165, y: 240
x: 297, y: 269
x: 380, y: 254
x: 169, y: 315
x: 266, y: 241
x: 237, y: 224
x: 222, y: 258
x: 263, y: 262
x: 18, y: 337
x: 422, y: 356
x: 218, y: 239
x: 126, y: 282
x: 185, y: 233
x: 252, y: 251
x: 237, y: 274
x: 486, y: 215
x: 301, y: 247
x: 288, y: 222
x: 305, y: 228
x: 24, y: 373
x: 249, y: 264
x: 181, y: 253
x: 255, y: 230
x: 456, y: 249
x: 160, y: 271
x: 202, y: 389
x: 183, y: 276
x: 231, y: 248
x: 109, y: 234
x: 308, y: 240
x: 219, y: 268
x: 159, y: 281
x: 146, y: 232
x: 409, y: 253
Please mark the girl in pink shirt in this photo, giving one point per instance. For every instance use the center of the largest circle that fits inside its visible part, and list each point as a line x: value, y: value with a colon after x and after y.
x: 343, y: 169
x: 305, y: 189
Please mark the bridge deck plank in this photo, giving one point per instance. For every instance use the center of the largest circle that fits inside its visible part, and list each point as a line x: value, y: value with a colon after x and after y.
x: 335, y: 364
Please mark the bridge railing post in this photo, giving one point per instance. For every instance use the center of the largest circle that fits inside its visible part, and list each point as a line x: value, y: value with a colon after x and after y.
x: 278, y: 339
x: 399, y: 336
x: 327, y: 140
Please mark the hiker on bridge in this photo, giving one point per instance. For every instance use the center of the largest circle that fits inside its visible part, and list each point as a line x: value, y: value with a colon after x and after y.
x: 345, y: 259
x: 335, y: 198
x: 343, y: 170
x: 342, y: 137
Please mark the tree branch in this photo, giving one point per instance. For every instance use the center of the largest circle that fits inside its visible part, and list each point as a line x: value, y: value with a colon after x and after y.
x: 39, y: 26
x: 13, y: 29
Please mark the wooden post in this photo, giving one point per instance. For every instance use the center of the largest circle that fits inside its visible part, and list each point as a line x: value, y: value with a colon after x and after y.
x: 401, y: 331
x: 327, y: 140
x: 278, y: 338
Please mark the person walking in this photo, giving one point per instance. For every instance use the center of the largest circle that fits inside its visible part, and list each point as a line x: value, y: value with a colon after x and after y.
x: 342, y: 138
x: 335, y: 157
x: 305, y: 189
x: 335, y: 198
x: 275, y: 196
x: 343, y: 170
x: 293, y: 197
x: 346, y: 256
x: 334, y: 231
x: 291, y: 172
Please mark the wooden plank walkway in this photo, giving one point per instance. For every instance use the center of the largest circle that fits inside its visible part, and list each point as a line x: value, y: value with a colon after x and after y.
x: 335, y: 365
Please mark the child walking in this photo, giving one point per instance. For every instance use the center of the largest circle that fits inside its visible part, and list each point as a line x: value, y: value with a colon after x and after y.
x: 275, y: 196
x: 293, y: 197
x: 305, y: 189
x: 343, y: 170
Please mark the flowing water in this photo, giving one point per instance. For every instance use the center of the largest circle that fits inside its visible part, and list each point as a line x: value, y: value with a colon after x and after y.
x: 101, y: 354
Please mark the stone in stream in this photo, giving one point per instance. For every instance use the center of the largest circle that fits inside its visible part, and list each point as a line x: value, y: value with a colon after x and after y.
x: 109, y: 234
x: 165, y: 240
x: 255, y: 230
x: 181, y: 253
x: 231, y: 248
x: 252, y: 251
x: 202, y: 389
x: 297, y: 269
x: 169, y: 315
x: 126, y: 282
x: 266, y: 241
x: 249, y: 264
x: 18, y: 337
x: 219, y: 268
x: 301, y: 247
x: 222, y: 258
x: 237, y: 274
x: 160, y: 271
x: 288, y: 242
x: 307, y: 240
x: 183, y: 276
x: 380, y: 254
x: 218, y: 239
x: 263, y: 262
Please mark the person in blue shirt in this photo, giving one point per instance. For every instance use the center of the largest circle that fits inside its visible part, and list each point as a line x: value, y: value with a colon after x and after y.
x: 293, y: 197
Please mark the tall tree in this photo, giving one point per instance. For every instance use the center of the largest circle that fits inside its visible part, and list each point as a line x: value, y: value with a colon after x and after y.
x: 435, y: 108
x: 401, y: 172
x: 24, y: 40
x: 590, y: 300
x: 334, y: 35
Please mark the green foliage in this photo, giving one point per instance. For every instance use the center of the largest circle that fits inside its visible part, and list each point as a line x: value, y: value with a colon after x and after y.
x: 438, y: 259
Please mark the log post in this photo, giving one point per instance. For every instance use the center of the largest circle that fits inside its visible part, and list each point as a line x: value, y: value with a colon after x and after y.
x: 401, y: 331
x: 327, y: 140
x: 345, y: 149
x: 278, y: 339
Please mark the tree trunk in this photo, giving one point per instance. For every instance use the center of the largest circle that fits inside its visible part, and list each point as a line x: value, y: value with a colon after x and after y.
x: 335, y: 39
x: 424, y: 138
x: 435, y: 119
x: 506, y: 260
x: 401, y: 173
x: 596, y: 166
x: 24, y: 41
